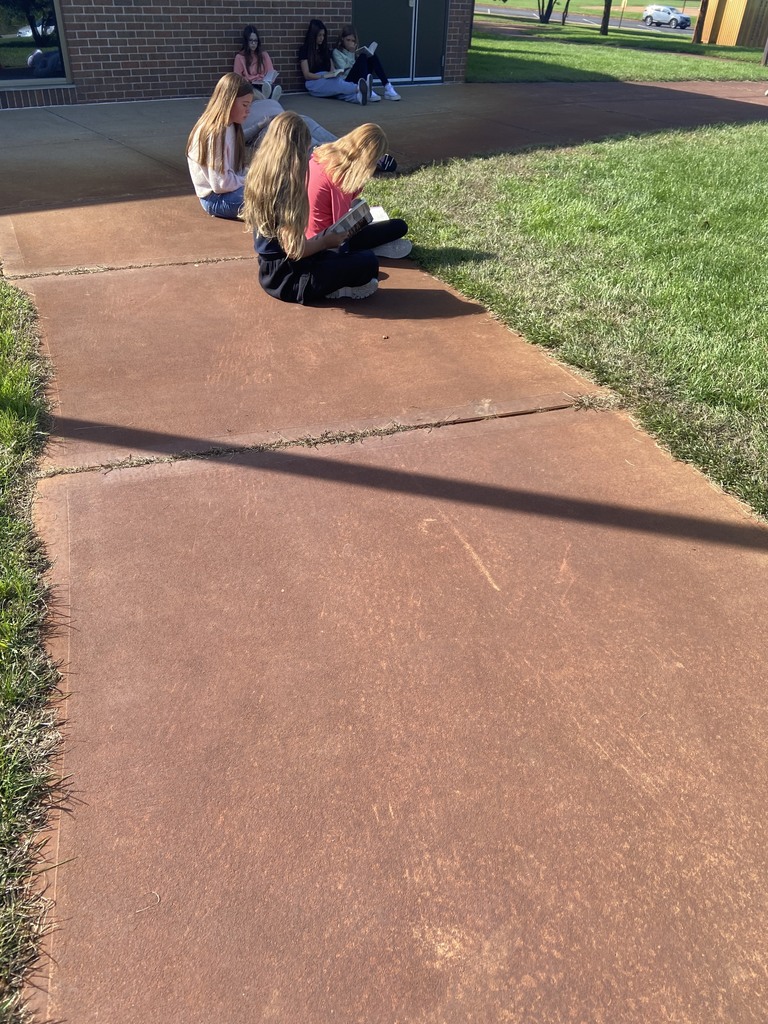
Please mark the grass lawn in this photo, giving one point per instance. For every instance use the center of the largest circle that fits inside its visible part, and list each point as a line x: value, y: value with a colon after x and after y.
x: 551, y: 53
x: 640, y: 261
x: 27, y: 678
x: 590, y: 8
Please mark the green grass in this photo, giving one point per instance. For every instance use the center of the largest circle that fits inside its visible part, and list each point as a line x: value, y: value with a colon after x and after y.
x: 640, y: 261
x: 591, y: 8
x: 552, y: 53
x: 27, y: 677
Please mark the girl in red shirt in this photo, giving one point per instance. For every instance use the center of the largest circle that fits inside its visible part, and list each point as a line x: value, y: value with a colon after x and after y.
x: 338, y: 172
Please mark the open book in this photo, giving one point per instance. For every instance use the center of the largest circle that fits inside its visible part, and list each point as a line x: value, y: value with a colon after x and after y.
x: 368, y: 50
x: 271, y: 76
x: 358, y: 215
x: 335, y: 72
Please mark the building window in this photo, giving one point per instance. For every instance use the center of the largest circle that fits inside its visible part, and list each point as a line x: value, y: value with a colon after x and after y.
x: 31, y: 51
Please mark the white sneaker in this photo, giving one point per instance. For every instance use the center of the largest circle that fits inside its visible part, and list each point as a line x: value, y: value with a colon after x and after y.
x: 277, y: 92
x: 389, y: 92
x: 374, y: 97
x: 396, y: 250
x: 362, y: 92
x: 361, y: 291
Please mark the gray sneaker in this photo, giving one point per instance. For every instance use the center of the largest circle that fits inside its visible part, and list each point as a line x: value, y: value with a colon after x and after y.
x: 396, y: 250
x: 361, y: 291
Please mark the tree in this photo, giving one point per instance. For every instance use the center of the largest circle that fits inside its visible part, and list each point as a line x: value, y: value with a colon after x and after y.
x: 545, y: 10
x: 35, y: 13
x: 606, y: 18
x: 696, y: 37
x: 564, y: 12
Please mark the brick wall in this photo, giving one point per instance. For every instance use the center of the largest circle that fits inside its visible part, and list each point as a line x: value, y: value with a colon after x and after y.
x: 135, y: 50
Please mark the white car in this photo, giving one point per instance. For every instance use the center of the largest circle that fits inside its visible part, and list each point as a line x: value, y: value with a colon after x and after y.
x: 657, y: 15
x: 26, y: 31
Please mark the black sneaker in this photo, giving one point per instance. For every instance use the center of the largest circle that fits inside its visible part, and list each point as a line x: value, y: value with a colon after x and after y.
x: 386, y: 165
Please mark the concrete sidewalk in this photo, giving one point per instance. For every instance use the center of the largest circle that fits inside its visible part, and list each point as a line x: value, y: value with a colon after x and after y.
x: 453, y: 724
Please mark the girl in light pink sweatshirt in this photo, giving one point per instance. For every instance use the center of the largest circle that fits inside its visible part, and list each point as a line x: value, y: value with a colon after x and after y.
x: 254, y: 64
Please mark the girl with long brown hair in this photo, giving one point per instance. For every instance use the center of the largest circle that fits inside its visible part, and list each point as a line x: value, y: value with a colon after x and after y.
x: 254, y: 64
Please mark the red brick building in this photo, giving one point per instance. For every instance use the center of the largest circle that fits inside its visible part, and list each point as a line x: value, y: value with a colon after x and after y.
x: 133, y: 50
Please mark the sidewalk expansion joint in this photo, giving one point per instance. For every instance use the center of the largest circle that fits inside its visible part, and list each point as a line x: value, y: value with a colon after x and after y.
x: 328, y: 437
x: 78, y: 271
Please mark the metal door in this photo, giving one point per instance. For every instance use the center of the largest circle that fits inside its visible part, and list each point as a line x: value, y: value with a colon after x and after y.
x: 410, y: 33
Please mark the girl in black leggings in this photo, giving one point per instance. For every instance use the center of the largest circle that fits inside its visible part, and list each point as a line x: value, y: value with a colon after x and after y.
x: 292, y: 267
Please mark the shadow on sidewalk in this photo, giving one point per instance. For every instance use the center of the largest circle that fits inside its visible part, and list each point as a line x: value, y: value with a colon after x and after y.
x: 462, y: 492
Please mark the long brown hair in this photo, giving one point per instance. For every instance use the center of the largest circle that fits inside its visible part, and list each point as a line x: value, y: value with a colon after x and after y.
x: 318, y: 54
x: 206, y: 140
x: 276, y: 201
x: 351, y: 160
x: 346, y: 30
x: 253, y: 61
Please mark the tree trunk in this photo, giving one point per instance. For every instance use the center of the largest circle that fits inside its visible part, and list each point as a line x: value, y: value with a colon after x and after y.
x: 696, y: 37
x: 606, y: 18
x: 545, y: 10
x: 565, y: 12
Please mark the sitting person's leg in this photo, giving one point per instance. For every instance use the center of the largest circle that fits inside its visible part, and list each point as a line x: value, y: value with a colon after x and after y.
x: 339, y: 270
x: 379, y: 233
x: 319, y: 134
x: 333, y: 88
x: 223, y: 204
x: 378, y: 72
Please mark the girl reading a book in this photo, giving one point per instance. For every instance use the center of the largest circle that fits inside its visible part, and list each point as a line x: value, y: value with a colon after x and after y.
x: 216, y: 150
x: 292, y: 266
x: 320, y: 78
x: 356, y: 62
x: 255, y: 65
x: 338, y: 172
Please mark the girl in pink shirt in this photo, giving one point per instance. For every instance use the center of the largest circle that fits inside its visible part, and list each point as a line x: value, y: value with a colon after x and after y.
x: 337, y: 173
x: 253, y: 63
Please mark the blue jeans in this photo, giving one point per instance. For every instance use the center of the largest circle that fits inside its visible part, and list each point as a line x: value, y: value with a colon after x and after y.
x: 224, y: 204
x: 332, y: 87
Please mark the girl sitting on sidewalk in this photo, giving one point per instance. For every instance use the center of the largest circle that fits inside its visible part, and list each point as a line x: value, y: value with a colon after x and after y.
x: 292, y: 267
x: 362, y: 66
x: 337, y: 173
x: 216, y: 150
x: 253, y: 63
x: 319, y: 78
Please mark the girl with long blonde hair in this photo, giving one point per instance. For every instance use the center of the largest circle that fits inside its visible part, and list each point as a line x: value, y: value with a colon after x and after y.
x: 292, y: 266
x: 338, y: 171
x: 216, y: 152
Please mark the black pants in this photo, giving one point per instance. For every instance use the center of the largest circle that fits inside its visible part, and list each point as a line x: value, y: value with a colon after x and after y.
x: 316, y: 276
x: 364, y: 66
x: 378, y: 233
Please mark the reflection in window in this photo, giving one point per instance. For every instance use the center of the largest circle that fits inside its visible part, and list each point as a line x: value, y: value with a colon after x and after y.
x: 30, y: 49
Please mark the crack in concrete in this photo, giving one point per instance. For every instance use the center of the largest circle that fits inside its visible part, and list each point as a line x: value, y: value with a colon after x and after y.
x: 78, y: 271
x: 328, y: 437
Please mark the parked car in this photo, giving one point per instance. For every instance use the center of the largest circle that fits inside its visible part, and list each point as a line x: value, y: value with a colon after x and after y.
x: 26, y: 31
x: 657, y: 15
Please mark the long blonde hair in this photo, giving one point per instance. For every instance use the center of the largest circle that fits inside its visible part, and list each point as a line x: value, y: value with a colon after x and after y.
x: 206, y: 140
x: 276, y: 201
x: 351, y: 160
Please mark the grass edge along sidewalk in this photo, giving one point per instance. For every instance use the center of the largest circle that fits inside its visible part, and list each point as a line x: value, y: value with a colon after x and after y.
x: 632, y: 268
x: 28, y: 679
